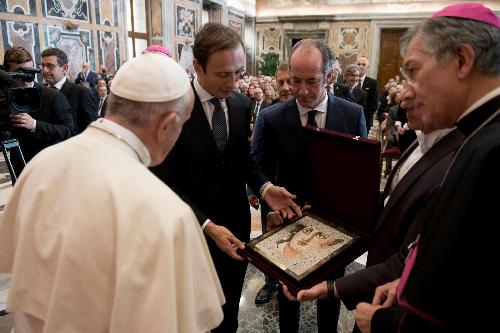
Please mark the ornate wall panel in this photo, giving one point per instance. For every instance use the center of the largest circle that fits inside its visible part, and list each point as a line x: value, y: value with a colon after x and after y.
x: 87, y: 30
x: 109, y: 50
x: 66, y: 9
x: 187, y: 21
x: 26, y: 7
x: 77, y: 44
x: 237, y: 22
x: 106, y: 12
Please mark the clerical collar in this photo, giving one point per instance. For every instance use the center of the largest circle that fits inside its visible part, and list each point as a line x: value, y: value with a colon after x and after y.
x: 125, y: 135
x: 495, y: 92
x: 321, y: 107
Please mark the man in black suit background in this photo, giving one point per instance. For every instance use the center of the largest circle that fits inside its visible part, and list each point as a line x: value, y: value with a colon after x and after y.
x: 51, y: 123
x: 338, y: 89
x: 210, y: 164
x: 257, y: 104
x: 102, y: 91
x: 370, y: 86
x: 351, y: 79
x: 81, y: 99
x: 283, y: 152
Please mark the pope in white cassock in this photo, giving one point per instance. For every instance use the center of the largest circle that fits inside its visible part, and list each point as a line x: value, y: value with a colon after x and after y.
x: 93, y: 240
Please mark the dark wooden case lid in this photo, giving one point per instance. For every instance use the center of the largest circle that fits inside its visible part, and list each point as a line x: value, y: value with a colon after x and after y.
x: 345, y: 178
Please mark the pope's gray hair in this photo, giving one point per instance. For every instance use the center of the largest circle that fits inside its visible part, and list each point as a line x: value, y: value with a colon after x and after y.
x: 143, y: 113
x: 441, y: 36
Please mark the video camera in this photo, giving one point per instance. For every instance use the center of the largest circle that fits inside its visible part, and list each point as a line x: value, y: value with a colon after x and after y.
x: 17, y: 99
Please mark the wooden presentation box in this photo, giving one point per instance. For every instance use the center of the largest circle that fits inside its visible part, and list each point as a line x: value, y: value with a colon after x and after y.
x: 345, y: 181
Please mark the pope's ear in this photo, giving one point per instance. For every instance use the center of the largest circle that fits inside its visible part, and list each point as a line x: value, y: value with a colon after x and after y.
x: 167, y: 122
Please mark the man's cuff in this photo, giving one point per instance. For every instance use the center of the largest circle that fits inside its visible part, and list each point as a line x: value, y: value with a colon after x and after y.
x: 264, y: 188
x: 205, y: 224
x: 34, y: 126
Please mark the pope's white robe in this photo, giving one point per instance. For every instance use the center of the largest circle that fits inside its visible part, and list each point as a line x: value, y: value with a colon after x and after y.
x: 96, y: 243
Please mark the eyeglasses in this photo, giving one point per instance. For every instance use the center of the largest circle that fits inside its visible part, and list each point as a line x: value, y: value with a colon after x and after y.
x: 50, y: 67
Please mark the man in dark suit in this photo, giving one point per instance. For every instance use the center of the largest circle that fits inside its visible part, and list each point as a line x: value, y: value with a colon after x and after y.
x: 51, y: 123
x: 338, y: 89
x: 440, y: 289
x: 256, y: 105
x: 81, y: 99
x: 87, y: 77
x: 210, y: 164
x: 370, y: 86
x: 283, y: 154
x: 102, y: 101
x: 351, y: 79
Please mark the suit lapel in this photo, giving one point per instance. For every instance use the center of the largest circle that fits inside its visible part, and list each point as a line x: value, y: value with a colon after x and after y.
x: 331, y: 115
x: 446, y: 145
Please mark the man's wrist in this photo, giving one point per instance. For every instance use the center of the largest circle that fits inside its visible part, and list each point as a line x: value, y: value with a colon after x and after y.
x: 330, y: 290
x: 264, y: 188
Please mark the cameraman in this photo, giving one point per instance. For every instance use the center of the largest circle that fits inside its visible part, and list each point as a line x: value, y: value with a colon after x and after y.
x: 51, y: 123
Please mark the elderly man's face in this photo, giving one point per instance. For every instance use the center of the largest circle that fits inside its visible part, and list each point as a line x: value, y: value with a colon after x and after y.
x: 222, y: 71
x: 308, y: 82
x: 433, y: 95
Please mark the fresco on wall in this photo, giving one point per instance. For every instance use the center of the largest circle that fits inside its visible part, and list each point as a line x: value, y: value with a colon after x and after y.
x: 106, y: 12
x: 286, y: 3
x: 25, y: 7
x: 21, y: 34
x: 185, y: 21
x: 185, y: 56
x: 271, y: 40
x: 237, y: 23
x: 349, y: 39
x: 67, y: 9
x: 109, y: 50
x: 77, y: 44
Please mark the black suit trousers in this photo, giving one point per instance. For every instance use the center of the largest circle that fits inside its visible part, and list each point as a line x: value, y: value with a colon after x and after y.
x: 231, y: 274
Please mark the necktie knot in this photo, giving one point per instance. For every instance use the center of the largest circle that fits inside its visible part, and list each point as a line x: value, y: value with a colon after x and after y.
x: 311, y: 118
x: 219, y: 127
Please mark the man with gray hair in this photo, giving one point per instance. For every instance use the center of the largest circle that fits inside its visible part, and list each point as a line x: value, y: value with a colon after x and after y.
x: 93, y: 240
x: 440, y: 288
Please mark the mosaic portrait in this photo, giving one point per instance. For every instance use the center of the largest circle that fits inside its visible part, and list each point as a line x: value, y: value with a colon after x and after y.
x: 185, y: 57
x: 303, y: 246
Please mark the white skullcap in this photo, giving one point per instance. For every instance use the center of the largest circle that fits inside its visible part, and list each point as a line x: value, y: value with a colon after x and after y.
x: 150, y: 77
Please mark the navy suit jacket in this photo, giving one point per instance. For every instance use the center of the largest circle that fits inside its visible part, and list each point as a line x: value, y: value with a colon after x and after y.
x: 283, y: 148
x: 91, y: 79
